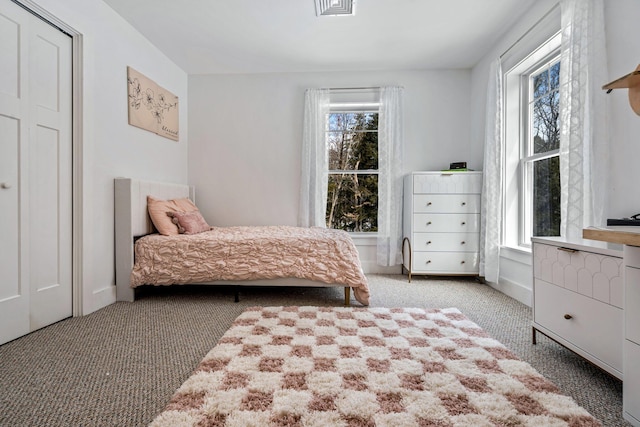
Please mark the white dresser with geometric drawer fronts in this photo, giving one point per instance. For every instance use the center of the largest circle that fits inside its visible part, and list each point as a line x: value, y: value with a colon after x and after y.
x: 578, y: 298
x: 441, y: 223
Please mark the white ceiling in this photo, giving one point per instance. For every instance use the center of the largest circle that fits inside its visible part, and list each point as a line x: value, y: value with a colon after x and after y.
x: 257, y: 36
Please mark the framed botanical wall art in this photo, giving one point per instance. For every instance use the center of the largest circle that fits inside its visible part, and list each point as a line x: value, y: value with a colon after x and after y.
x: 151, y: 107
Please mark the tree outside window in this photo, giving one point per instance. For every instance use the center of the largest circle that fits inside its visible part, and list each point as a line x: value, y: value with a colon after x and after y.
x: 352, y: 197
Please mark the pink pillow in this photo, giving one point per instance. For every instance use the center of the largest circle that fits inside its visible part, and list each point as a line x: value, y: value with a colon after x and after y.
x: 189, y: 222
x: 158, y: 209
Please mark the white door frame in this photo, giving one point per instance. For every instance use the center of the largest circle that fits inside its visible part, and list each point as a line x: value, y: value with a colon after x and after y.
x: 77, y: 143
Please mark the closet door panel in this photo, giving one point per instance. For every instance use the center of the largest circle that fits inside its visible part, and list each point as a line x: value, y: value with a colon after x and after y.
x: 14, y: 288
x: 9, y: 206
x: 45, y: 214
x: 50, y: 168
x: 9, y: 56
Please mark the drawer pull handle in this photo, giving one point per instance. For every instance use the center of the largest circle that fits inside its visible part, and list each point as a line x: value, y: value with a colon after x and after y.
x: 428, y: 222
x: 429, y: 242
x: 568, y: 316
x: 463, y: 242
x: 462, y: 262
x: 464, y: 203
x: 571, y: 251
x: 463, y: 223
x: 428, y: 203
x: 428, y: 261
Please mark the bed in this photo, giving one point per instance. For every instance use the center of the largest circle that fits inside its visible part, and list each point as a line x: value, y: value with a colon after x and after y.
x: 139, y: 251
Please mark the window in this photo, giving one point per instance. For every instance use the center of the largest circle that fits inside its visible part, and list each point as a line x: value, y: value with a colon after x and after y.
x: 532, y: 142
x: 360, y: 189
x: 540, y: 163
x: 352, y: 144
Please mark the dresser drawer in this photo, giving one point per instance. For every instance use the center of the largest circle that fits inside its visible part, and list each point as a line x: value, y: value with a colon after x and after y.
x: 632, y: 298
x: 445, y: 262
x: 446, y: 203
x: 593, y: 326
x: 448, y: 242
x: 593, y: 275
x: 632, y: 256
x: 455, y: 223
x: 631, y: 385
x: 455, y: 182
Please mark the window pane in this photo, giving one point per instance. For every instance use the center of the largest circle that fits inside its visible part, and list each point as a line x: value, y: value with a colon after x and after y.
x: 353, y: 150
x: 545, y: 123
x: 339, y: 144
x: 546, y: 197
x: 353, y: 121
x: 554, y: 76
x: 540, y: 84
x: 371, y: 121
x: 352, y: 202
x: 365, y: 151
x: 366, y: 121
x: 336, y: 121
x: 352, y: 141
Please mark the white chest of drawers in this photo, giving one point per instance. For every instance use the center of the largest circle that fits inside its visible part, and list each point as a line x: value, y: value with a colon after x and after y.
x: 578, y: 296
x: 441, y: 223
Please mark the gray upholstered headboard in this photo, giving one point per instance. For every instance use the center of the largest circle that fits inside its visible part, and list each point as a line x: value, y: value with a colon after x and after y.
x: 132, y: 219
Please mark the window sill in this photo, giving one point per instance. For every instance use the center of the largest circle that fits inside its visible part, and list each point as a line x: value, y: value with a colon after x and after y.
x: 364, y: 239
x: 517, y: 254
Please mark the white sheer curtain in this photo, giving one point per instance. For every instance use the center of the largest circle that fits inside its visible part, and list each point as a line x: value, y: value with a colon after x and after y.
x: 492, y: 183
x: 583, y: 134
x: 314, y: 173
x: 390, y: 153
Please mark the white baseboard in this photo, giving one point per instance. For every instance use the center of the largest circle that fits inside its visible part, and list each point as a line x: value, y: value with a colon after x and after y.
x: 514, y: 290
x: 371, y: 267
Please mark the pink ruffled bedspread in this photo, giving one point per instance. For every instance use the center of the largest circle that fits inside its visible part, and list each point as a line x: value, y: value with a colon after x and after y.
x: 251, y: 253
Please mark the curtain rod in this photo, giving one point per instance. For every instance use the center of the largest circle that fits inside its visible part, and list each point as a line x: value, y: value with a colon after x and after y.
x: 354, y: 88
x: 530, y: 29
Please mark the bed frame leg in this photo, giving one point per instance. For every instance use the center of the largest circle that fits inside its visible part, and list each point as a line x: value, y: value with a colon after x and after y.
x: 347, y: 296
x: 237, y: 294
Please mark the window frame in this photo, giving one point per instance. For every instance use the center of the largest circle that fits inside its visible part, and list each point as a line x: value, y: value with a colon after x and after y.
x: 354, y: 108
x: 518, y: 197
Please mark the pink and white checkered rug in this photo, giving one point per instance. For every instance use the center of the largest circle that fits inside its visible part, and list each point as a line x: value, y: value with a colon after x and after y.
x: 342, y: 366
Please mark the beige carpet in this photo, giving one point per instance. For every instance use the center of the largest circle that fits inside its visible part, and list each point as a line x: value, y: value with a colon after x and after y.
x: 336, y: 366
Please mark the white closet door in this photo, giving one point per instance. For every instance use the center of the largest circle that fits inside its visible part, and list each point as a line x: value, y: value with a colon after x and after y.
x: 35, y: 173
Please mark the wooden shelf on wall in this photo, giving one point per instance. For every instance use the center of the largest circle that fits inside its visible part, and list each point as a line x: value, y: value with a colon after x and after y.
x: 630, y: 81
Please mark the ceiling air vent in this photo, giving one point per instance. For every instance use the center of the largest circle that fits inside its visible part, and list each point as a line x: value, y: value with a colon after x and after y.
x: 335, y: 7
